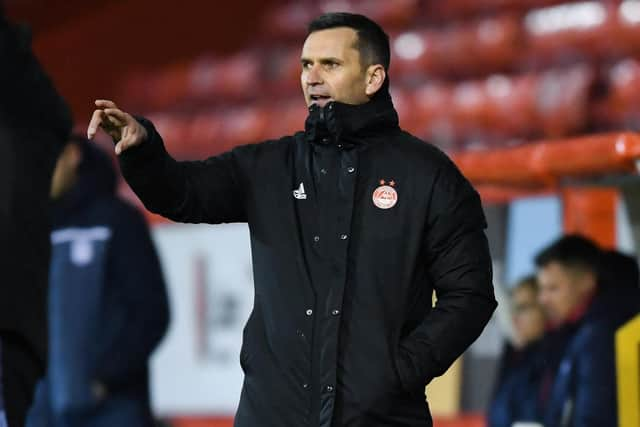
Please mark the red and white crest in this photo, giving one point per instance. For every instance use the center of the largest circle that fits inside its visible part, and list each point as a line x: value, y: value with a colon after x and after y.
x: 385, y: 196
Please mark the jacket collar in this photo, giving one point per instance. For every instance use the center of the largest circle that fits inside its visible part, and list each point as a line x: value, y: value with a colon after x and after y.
x: 350, y: 124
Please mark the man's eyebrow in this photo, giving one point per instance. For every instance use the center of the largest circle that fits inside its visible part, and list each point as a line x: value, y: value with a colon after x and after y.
x: 323, y: 60
x: 331, y: 59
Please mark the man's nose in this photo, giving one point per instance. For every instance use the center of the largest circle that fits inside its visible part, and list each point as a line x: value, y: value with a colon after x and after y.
x: 543, y: 299
x: 313, y: 76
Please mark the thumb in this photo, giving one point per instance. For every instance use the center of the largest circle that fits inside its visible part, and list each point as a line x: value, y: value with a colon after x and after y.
x: 120, y: 147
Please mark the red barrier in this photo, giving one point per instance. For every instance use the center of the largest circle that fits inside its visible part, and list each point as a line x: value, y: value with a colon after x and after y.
x: 543, y: 164
x: 505, y: 174
x: 592, y: 213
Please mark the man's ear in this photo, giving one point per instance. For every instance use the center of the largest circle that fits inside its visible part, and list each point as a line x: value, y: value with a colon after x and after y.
x: 588, y: 281
x: 376, y: 76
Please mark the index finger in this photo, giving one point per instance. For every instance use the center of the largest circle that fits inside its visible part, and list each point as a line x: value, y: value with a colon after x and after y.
x: 96, y: 120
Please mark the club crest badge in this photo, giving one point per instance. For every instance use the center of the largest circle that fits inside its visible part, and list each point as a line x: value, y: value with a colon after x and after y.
x: 385, y: 196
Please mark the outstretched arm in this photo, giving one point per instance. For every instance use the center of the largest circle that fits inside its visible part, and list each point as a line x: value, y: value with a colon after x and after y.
x: 209, y: 191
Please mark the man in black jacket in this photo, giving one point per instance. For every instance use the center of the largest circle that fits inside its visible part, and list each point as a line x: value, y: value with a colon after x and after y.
x: 34, y: 125
x: 354, y: 223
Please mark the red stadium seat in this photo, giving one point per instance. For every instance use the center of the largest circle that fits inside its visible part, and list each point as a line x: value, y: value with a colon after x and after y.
x: 190, y: 136
x: 432, y: 117
x: 290, y: 20
x: 562, y: 104
x: 287, y: 118
x: 438, y: 10
x: 626, y: 34
x: 489, y: 112
x: 281, y: 71
x: 403, y: 101
x: 389, y: 14
x: 569, y: 32
x: 196, y: 82
x: 621, y: 107
x: 167, y: 87
x: 233, y: 77
x: 193, y: 136
x: 173, y: 130
x: 475, y: 48
x: 244, y: 125
x: 497, y: 109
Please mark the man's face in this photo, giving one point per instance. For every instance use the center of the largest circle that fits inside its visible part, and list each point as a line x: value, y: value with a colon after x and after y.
x: 528, y: 317
x: 562, y: 290
x: 331, y: 68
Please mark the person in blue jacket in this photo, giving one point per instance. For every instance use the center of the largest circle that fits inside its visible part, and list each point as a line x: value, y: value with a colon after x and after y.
x: 108, y: 306
x: 515, y: 395
x: 580, y: 298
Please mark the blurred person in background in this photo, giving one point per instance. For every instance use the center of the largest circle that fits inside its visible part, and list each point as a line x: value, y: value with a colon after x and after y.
x: 108, y: 306
x: 580, y: 387
x: 35, y: 122
x: 354, y: 223
x: 515, y: 397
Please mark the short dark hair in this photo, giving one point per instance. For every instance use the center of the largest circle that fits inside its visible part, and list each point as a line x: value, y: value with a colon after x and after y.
x: 572, y: 251
x: 373, y: 42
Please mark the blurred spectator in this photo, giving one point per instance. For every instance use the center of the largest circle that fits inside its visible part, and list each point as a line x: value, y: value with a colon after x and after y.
x: 34, y: 124
x: 580, y: 390
x: 515, y: 397
x: 107, y: 301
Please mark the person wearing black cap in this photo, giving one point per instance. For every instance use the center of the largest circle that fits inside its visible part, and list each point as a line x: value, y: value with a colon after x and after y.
x: 354, y: 223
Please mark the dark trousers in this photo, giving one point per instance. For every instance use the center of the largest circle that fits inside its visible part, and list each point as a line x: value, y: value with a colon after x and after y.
x: 20, y: 371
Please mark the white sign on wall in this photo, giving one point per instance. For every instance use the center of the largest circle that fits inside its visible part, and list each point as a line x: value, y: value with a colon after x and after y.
x: 196, y: 369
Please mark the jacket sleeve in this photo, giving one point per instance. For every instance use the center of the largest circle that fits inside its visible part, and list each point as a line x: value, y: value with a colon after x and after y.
x: 459, y: 267
x: 595, y: 401
x: 138, y: 315
x: 210, y: 191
